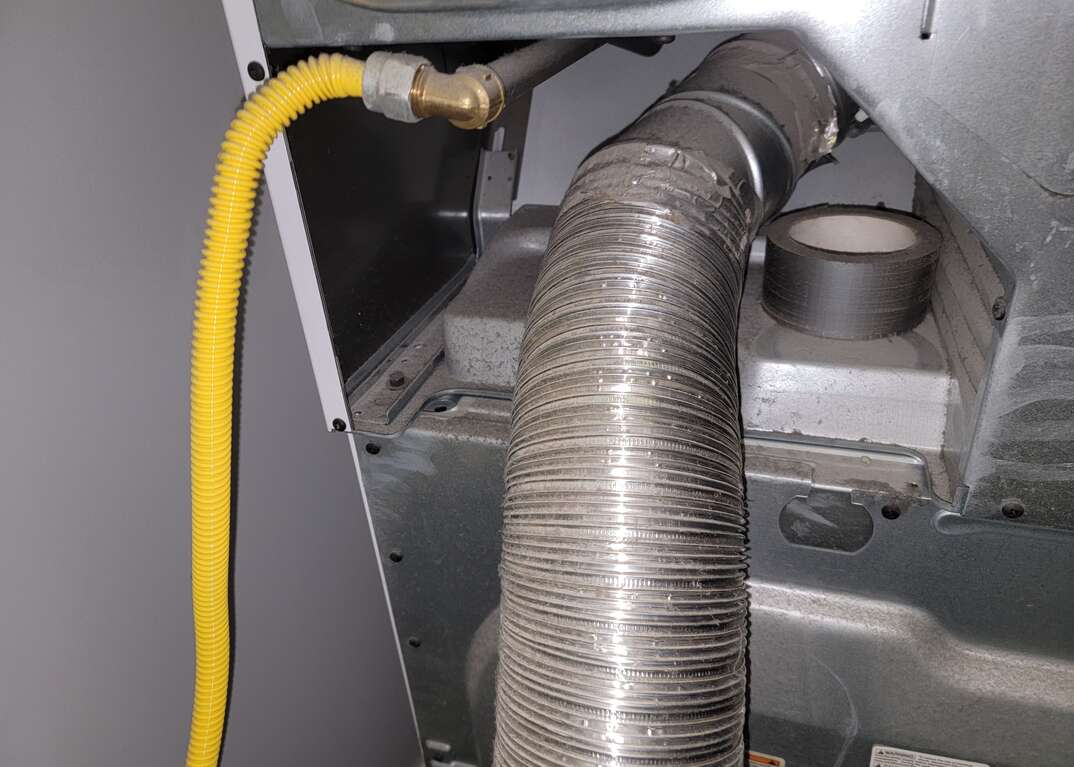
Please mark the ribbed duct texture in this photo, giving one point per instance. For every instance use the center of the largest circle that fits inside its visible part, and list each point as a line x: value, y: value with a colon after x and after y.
x: 623, y: 620
x: 624, y: 604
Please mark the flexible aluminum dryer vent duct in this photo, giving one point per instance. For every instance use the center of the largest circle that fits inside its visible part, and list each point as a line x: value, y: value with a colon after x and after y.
x: 623, y: 623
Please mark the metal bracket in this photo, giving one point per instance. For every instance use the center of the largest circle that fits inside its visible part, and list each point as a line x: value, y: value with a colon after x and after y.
x: 497, y: 174
x: 397, y: 379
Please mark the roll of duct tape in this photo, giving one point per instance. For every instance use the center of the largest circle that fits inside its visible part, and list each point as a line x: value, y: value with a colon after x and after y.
x: 844, y: 271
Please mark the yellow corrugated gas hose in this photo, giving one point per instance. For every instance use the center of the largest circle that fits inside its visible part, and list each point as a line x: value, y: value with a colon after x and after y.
x: 231, y: 207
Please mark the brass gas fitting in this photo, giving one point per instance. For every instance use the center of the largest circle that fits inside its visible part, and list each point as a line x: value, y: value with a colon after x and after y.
x: 470, y: 98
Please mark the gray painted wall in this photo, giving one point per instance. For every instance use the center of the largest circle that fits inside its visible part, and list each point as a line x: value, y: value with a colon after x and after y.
x: 602, y: 93
x: 112, y: 116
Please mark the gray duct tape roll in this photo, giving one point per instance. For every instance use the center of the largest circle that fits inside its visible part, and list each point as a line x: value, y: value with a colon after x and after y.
x: 842, y: 271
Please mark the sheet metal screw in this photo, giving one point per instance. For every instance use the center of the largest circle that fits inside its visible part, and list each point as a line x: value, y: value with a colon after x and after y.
x: 395, y: 555
x: 414, y: 641
x: 256, y: 71
x: 396, y: 380
x: 339, y: 424
x: 999, y: 308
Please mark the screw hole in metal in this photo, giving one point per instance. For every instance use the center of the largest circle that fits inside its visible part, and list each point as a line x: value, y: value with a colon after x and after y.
x: 999, y: 309
x: 441, y: 404
x: 372, y: 448
x: 890, y: 511
x: 395, y: 555
x: 1013, y: 509
x: 414, y: 641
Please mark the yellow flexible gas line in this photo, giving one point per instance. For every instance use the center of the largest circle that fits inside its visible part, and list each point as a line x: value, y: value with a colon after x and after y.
x: 238, y: 172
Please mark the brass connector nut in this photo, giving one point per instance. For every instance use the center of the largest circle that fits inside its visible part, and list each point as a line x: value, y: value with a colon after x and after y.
x: 387, y: 83
x: 470, y: 98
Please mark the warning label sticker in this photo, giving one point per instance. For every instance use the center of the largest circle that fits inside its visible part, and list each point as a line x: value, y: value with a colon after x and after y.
x: 756, y: 759
x: 886, y: 756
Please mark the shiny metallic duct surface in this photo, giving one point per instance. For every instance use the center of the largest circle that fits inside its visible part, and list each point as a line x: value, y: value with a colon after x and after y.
x: 624, y: 603
x: 623, y: 615
x: 845, y: 271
